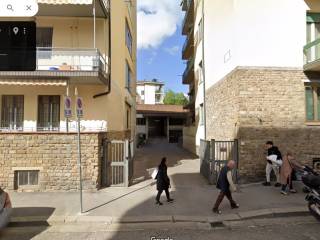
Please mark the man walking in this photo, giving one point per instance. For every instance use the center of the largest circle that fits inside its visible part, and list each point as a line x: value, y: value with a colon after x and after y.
x: 226, y: 185
x: 274, y: 161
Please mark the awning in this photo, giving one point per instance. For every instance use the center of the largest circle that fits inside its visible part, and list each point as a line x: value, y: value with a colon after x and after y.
x: 58, y: 2
x: 35, y: 82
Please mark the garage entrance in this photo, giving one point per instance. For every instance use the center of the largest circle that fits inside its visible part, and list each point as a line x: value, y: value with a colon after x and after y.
x: 157, y: 127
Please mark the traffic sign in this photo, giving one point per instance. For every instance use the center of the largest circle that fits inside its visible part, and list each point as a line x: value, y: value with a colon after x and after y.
x: 67, y: 107
x: 79, y: 107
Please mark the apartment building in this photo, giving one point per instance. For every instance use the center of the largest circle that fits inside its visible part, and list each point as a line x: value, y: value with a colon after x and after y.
x: 150, y: 92
x: 253, y: 70
x: 85, y: 48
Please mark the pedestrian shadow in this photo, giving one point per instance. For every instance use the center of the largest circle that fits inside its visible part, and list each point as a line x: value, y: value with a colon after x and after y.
x: 32, y: 220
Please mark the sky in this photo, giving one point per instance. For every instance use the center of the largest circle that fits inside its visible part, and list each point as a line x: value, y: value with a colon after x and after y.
x: 160, y: 42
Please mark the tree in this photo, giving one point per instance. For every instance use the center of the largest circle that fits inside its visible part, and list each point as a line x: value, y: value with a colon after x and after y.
x: 172, y: 98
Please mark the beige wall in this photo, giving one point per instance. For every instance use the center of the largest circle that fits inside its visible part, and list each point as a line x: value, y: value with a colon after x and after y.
x: 77, y: 32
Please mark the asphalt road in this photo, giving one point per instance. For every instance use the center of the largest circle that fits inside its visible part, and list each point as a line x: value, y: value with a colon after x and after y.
x: 299, y: 228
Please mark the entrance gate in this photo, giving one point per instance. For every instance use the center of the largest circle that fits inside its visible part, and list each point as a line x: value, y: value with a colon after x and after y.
x: 214, y: 155
x: 116, y: 167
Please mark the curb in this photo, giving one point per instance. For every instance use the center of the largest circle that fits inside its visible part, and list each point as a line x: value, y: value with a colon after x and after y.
x: 255, y: 214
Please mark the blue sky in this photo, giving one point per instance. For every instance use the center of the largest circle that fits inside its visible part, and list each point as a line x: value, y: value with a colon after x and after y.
x: 160, y: 42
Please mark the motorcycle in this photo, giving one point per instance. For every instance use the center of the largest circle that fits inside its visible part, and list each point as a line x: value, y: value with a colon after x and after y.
x: 311, y: 180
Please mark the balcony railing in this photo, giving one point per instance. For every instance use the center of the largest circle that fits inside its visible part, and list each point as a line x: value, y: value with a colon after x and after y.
x: 68, y: 59
x: 85, y: 125
x: 189, y: 42
x: 312, y: 56
x: 188, y: 70
x: 188, y: 18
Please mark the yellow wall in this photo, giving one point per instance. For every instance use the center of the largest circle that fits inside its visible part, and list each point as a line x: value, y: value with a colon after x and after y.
x: 75, y: 32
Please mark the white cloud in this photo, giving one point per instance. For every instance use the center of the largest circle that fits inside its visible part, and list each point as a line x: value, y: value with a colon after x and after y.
x: 173, y: 50
x: 157, y: 20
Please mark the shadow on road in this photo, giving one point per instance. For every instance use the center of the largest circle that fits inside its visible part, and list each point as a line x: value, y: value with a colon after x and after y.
x: 149, y: 156
x: 38, y: 224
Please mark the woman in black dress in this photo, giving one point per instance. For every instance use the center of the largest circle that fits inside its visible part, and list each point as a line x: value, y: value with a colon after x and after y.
x: 163, y: 181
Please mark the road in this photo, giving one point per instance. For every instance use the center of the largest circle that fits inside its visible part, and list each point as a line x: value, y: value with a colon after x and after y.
x: 293, y: 228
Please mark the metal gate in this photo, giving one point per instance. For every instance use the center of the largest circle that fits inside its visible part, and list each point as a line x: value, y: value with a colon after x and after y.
x: 116, y: 162
x: 214, y: 155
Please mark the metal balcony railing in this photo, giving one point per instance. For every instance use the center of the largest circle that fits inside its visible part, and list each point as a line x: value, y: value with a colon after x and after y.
x: 188, y: 69
x: 70, y: 59
x: 188, y: 43
x: 188, y: 17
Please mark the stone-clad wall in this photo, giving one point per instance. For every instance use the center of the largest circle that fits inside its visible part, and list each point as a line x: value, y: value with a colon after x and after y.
x: 222, y: 107
x: 268, y: 104
x: 55, y: 156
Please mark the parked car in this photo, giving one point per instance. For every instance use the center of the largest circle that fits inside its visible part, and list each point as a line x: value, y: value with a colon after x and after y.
x: 5, y: 208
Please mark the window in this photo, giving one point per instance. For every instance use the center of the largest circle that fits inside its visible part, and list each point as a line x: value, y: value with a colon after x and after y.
x: 12, y: 112
x: 27, y: 178
x: 201, y: 115
x: 141, y: 121
x: 142, y: 93
x: 48, y: 113
x: 44, y: 41
x: 312, y: 103
x: 128, y: 38
x: 128, y: 77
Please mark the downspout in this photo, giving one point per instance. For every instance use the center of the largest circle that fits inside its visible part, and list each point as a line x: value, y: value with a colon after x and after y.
x: 204, y: 77
x: 109, y: 60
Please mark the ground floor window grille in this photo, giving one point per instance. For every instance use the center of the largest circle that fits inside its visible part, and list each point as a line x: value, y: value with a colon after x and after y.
x: 12, y: 111
x: 48, y: 113
x: 27, y: 178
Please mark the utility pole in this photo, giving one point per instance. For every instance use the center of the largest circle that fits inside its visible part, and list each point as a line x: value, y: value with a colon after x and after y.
x: 204, y: 77
x: 79, y: 112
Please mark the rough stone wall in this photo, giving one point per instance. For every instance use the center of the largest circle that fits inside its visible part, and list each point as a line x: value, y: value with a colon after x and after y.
x: 270, y: 105
x: 55, y: 155
x: 222, y: 107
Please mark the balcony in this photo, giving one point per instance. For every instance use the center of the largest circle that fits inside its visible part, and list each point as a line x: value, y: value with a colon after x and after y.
x: 159, y: 97
x: 188, y: 75
x: 188, y: 20
x: 80, y: 66
x: 188, y: 47
x: 312, y: 56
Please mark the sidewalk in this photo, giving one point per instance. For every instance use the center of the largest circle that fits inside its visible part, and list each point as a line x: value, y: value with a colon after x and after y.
x: 194, y: 199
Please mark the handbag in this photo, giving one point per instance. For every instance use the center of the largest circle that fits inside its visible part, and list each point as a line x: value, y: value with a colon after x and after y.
x: 155, y: 173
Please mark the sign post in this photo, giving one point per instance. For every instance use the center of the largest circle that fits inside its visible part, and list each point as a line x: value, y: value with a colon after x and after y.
x: 79, y: 111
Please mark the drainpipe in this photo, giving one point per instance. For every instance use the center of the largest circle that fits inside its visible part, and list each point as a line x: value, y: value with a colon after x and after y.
x: 204, y: 77
x: 109, y: 58
x: 94, y: 23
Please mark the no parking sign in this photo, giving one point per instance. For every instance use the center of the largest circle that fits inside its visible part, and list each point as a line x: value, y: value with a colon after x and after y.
x: 67, y: 107
x: 79, y: 107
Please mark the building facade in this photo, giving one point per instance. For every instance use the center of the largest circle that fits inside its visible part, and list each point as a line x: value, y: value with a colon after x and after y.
x: 150, y: 92
x: 155, y: 119
x: 161, y: 121
x: 86, y: 49
x: 258, y: 66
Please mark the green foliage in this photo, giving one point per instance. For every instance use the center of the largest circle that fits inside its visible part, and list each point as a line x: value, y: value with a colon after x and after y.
x: 172, y: 98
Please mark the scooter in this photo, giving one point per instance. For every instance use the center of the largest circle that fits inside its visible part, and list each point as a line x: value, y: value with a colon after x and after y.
x: 311, y: 180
